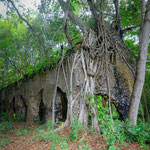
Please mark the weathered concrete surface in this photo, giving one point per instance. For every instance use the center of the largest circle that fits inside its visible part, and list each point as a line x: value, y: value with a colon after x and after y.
x: 33, y: 96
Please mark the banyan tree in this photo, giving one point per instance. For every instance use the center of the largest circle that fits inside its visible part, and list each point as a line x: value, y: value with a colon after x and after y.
x: 99, y: 65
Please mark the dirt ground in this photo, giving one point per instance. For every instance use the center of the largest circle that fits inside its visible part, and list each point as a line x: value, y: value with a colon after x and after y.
x: 27, y: 141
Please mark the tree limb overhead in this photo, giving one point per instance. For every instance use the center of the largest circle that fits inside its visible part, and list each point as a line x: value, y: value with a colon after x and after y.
x: 84, y: 28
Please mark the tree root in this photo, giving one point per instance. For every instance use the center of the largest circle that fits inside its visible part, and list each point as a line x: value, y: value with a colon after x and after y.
x: 82, y: 138
x: 66, y: 123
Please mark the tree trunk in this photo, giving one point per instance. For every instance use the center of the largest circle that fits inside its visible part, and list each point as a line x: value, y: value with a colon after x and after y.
x: 140, y: 76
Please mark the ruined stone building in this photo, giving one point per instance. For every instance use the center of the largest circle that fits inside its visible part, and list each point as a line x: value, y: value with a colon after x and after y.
x: 32, y: 97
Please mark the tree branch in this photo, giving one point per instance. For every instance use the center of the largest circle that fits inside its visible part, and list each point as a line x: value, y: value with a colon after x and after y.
x: 92, y: 9
x: 84, y: 28
x: 30, y: 27
x: 129, y: 28
x: 142, y: 9
x: 65, y: 21
x: 118, y: 18
x: 67, y: 33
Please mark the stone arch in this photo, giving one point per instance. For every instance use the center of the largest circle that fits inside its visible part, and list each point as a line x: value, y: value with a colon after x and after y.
x: 18, y: 107
x: 61, y: 106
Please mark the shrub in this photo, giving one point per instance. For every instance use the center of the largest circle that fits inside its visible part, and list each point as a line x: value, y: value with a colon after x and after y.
x: 76, y: 129
x: 4, y: 140
x: 20, y: 132
x: 137, y: 133
x: 4, y: 116
x: 5, y: 126
x: 47, y: 135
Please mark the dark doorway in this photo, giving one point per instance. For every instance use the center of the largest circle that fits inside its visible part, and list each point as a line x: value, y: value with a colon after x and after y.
x: 23, y: 109
x: 12, y: 108
x: 60, y: 106
x: 41, y: 109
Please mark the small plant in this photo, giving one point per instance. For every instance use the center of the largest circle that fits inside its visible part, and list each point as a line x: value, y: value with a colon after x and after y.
x: 83, y: 146
x: 51, y: 137
x: 46, y: 134
x: 76, y: 129
x: 5, y: 126
x: 138, y: 133
x: 48, y: 125
x: 86, y: 147
x: 63, y: 145
x: 21, y: 132
x: 112, y: 130
x: 4, y: 140
x: 4, y: 116
x: 18, y: 117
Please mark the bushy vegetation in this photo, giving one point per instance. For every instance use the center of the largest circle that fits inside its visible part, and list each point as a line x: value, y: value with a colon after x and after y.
x: 46, y: 134
x: 4, y: 140
x: 116, y: 131
x: 113, y: 130
x: 4, y: 116
x: 5, y: 126
x: 77, y: 129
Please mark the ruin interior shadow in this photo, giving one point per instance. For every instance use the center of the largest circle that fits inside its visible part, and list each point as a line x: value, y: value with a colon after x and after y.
x: 60, y: 106
x: 19, y: 108
x: 42, y: 109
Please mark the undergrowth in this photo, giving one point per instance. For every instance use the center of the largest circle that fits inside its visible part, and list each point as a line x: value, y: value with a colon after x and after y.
x: 115, y: 131
x: 46, y: 134
x: 5, y: 126
x: 4, y: 140
x: 77, y: 129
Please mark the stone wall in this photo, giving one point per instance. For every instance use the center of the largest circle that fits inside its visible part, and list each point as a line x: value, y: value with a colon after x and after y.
x: 33, y: 96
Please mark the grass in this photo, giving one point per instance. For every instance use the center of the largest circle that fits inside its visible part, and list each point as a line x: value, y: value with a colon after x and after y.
x: 113, y: 131
x: 45, y: 134
x: 5, y: 126
x: 4, y: 140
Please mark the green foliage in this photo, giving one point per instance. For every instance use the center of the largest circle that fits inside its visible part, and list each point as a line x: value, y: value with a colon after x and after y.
x: 46, y: 134
x: 112, y: 130
x: 130, y: 12
x: 115, y: 131
x: 4, y: 140
x: 145, y: 101
x: 48, y: 125
x: 138, y: 133
x: 20, y: 132
x: 4, y: 116
x: 63, y: 145
x: 77, y: 129
x: 51, y: 137
x: 5, y: 126
x: 83, y: 146
x: 18, y: 117
x: 133, y: 47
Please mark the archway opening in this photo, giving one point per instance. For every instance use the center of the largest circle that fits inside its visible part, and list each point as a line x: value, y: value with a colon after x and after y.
x: 12, y: 108
x: 42, y: 112
x: 61, y: 106
x: 23, y: 109
x: 42, y: 109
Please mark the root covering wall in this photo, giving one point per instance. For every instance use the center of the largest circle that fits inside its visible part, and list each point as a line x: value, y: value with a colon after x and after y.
x: 32, y: 97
